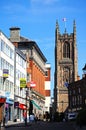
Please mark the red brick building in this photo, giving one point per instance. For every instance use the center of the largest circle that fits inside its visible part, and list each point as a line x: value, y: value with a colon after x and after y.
x: 36, y: 69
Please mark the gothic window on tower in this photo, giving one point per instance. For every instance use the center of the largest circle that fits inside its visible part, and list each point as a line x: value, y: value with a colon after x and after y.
x: 66, y: 50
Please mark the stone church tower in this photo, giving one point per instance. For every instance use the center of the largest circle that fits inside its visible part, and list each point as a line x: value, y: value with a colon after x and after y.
x: 66, y: 70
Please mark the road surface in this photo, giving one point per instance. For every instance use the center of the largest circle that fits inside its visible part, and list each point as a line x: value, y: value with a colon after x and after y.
x: 43, y: 126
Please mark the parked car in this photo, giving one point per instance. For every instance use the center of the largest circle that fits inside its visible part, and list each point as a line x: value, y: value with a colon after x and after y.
x: 32, y: 118
x: 72, y: 116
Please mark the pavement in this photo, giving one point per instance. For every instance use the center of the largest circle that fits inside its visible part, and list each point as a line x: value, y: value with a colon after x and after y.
x: 15, y: 124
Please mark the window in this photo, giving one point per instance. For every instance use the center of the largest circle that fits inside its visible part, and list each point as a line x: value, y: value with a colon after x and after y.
x: 0, y: 62
x: 6, y: 49
x: 1, y: 83
x: 70, y: 92
x: 66, y: 74
x: 2, y: 45
x: 46, y: 73
x: 74, y: 92
x: 11, y: 54
x: 7, y: 85
x: 80, y: 99
x: 28, y: 77
x: 79, y: 90
x: 5, y: 65
x: 11, y: 70
x: 66, y: 50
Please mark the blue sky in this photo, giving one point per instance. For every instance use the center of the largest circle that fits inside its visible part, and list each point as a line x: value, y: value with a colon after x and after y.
x: 37, y: 20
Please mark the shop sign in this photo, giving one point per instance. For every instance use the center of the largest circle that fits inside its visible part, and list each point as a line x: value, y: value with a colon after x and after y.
x: 9, y: 101
x: 22, y: 106
x: 2, y: 100
x: 32, y: 84
x: 5, y: 73
x: 22, y: 82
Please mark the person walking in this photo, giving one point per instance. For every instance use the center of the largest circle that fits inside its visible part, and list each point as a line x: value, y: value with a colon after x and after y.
x: 25, y: 118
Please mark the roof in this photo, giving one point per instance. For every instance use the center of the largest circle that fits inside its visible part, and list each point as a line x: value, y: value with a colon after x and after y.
x: 30, y: 43
x: 23, y: 39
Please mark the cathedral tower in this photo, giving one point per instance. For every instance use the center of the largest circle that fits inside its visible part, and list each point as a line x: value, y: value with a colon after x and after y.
x: 65, y: 66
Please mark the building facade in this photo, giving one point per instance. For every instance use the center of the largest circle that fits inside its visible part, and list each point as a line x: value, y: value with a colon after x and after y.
x: 20, y: 77
x: 7, y: 50
x: 12, y: 69
x: 36, y: 69
x: 65, y: 66
x: 47, y: 87
x: 77, y: 95
x: 25, y: 87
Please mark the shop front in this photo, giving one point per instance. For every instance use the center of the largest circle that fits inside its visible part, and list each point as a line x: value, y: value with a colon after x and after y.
x: 2, y: 102
x: 9, y: 107
x: 9, y: 110
x: 20, y: 108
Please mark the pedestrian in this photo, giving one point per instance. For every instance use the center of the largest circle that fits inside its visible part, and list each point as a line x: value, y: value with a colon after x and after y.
x: 36, y: 118
x: 4, y: 121
x: 25, y: 117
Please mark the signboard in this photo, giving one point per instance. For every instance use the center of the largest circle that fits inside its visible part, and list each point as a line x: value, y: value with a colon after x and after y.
x: 32, y: 84
x: 5, y: 73
x: 22, y: 82
x: 2, y: 100
x: 22, y: 106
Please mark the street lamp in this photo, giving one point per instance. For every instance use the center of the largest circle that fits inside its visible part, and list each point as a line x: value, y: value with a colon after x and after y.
x: 26, y: 105
x: 23, y: 84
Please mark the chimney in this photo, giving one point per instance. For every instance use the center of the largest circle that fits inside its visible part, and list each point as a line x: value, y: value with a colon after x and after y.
x: 15, y: 34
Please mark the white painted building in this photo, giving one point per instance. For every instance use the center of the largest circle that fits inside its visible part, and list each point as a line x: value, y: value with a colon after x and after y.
x: 12, y: 69
x: 19, y: 91
x: 47, y: 88
x: 7, y: 75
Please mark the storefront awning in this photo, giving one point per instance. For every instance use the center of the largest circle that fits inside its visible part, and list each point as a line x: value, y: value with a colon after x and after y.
x: 22, y: 106
x: 35, y: 105
x: 2, y: 100
x: 9, y: 101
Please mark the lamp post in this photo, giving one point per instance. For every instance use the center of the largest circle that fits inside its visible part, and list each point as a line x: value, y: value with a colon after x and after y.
x: 23, y: 84
x: 26, y: 106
